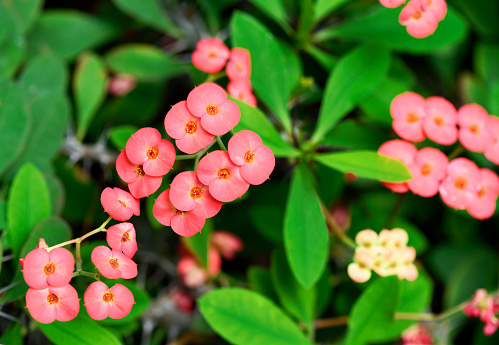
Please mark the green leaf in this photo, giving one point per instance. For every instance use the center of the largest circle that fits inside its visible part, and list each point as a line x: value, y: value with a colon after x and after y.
x: 145, y: 62
x: 305, y: 231
x: 269, y: 75
x: 14, y: 123
x: 275, y: 9
x: 28, y: 203
x: 149, y: 12
x: 306, y: 21
x: 53, y: 230
x: 373, y: 311
x: 297, y: 300
x: 356, y: 74
x: 119, y: 135
x: 13, y: 53
x: 79, y: 331
x: 324, y: 7
x: 482, y: 14
x: 19, y: 15
x: 44, y: 75
x: 366, y: 164
x: 67, y: 33
x: 260, y: 280
x: 382, y: 27
x: 198, y: 244
x: 89, y: 88
x: 324, y: 292
x: 244, y: 317
x: 485, y: 61
x: 352, y: 134
x: 255, y: 120
x: 12, y: 336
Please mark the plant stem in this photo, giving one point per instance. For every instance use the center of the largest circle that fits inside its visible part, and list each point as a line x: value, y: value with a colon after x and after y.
x: 86, y: 274
x: 457, y: 151
x: 336, y: 228
x: 212, y: 77
x: 184, y: 157
x: 395, y: 210
x: 220, y: 143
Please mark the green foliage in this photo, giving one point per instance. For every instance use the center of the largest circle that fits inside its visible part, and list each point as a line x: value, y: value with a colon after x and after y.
x: 275, y: 9
x: 324, y: 7
x: 305, y: 231
x: 119, y: 135
x: 19, y: 16
x: 260, y: 280
x: 246, y: 318
x: 200, y: 242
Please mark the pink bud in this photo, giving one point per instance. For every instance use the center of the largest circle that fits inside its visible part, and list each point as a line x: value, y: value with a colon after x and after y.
x: 228, y: 244
x: 121, y: 84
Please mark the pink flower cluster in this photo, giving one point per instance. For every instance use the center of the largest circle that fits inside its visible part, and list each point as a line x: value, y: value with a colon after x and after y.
x: 210, y: 56
x: 417, y: 334
x: 420, y: 17
x: 486, y: 307
x: 461, y: 184
x: 386, y: 254
x: 192, y: 273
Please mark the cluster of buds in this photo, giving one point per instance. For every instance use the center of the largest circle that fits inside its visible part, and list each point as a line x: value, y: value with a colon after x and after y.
x: 420, y: 17
x: 486, y: 307
x: 192, y: 273
x: 461, y: 184
x: 210, y: 56
x: 386, y: 254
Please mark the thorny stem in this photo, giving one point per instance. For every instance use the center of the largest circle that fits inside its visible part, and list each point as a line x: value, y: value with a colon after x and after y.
x: 336, y: 228
x: 220, y: 143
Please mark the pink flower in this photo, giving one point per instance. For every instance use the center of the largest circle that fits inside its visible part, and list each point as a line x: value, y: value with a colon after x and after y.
x: 121, y: 237
x: 342, y: 215
x: 408, y: 112
x: 485, y: 306
x: 360, y: 270
x: 439, y: 123
x: 404, y: 152
x: 417, y: 335
x: 113, y: 264
x: 241, y: 89
x: 53, y: 303
x: 184, y: 223
x: 438, y: 7
x: 147, y: 148
x: 486, y: 192
x: 187, y: 193
x: 139, y: 183
x: 256, y: 160
x: 239, y: 65
x: 185, y: 128
x: 102, y: 302
x: 418, y: 21
x: 391, y: 3
x: 473, y: 131
x: 228, y: 244
x: 459, y: 187
x: 477, y: 303
x: 42, y: 269
x: 182, y: 299
x: 492, y: 150
x: 222, y: 176
x: 210, y: 55
x: 427, y: 170
x: 121, y: 85
x: 120, y: 205
x: 192, y: 274
x: 209, y: 102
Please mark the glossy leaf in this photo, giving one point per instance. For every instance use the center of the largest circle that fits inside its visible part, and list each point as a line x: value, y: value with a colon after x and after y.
x: 255, y: 120
x: 355, y: 75
x: 244, y: 317
x: 13, y: 52
x: 19, y: 15
x: 53, y: 229
x: 119, y: 135
x: 89, y: 88
x: 269, y: 80
x: 275, y: 9
x: 305, y: 231
x: 366, y: 164
x: 145, y: 62
x: 67, y: 33
x: 28, y: 203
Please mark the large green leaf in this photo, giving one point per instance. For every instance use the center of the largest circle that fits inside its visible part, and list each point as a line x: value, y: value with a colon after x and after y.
x: 144, y: 62
x: 254, y: 119
x: 89, y: 88
x: 297, y: 300
x: 373, y: 311
x: 14, y: 123
x: 67, y: 33
x: 366, y: 164
x: 19, y: 15
x: 13, y: 52
x: 244, y: 317
x: 269, y: 75
x: 44, y: 75
x: 275, y: 9
x: 356, y: 74
x: 28, y: 203
x: 305, y: 231
x: 382, y: 27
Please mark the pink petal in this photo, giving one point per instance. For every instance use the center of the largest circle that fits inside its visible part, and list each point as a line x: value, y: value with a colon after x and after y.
x: 97, y: 309
x: 408, y: 103
x: 193, y: 143
x: 163, y: 209
x: 227, y: 118
x: 208, y: 204
x: 210, y: 55
x: 474, y: 133
x: 116, y: 240
x: 440, y: 121
x: 126, y: 169
x: 139, y: 142
x: 438, y: 7
x: 188, y: 223
x: 122, y: 303
x: 358, y: 274
x: 120, y: 205
x: 39, y: 308
x: 145, y: 186
x: 181, y: 188
x: 425, y: 186
x: 482, y: 209
x: 453, y: 197
x: 492, y: 151
x: 228, y: 244
x: 33, y: 272
x: 68, y: 305
x: 214, y: 262
x: 463, y: 167
x: 259, y: 170
x: 412, y: 131
x: 210, y: 164
x: 419, y: 23
x: 64, y: 263
x: 100, y: 257
x: 391, y: 3
x: 190, y: 273
x: 204, y: 95
x: 127, y: 268
x: 226, y: 190
x: 163, y: 163
x: 396, y: 187
x: 176, y: 119
x: 240, y: 143
x: 239, y: 65
x: 400, y: 150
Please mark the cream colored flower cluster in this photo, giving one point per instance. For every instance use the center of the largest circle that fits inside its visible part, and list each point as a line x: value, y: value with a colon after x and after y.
x: 386, y: 254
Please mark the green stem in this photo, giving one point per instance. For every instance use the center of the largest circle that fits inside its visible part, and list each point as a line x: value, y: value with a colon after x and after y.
x: 220, y: 143
x: 336, y: 229
x: 395, y: 210
x: 213, y: 77
x: 86, y: 274
x: 184, y: 157
x: 457, y: 151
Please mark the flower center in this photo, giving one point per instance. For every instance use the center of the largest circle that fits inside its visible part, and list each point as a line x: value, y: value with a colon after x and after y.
x: 411, y: 117
x: 49, y: 269
x: 438, y: 121
x: 239, y: 68
x: 212, y: 54
x: 152, y: 152
x: 212, y: 109
x: 122, y: 203
x: 52, y: 298
x: 417, y: 15
x: 139, y: 170
x: 191, y: 127
x: 460, y: 183
x: 114, y: 263
x: 125, y: 238
x: 249, y: 156
x: 196, y: 193
x: 425, y: 170
x: 180, y: 213
x: 108, y: 296
x: 481, y: 193
x: 223, y: 174
x: 428, y: 3
x: 474, y: 129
